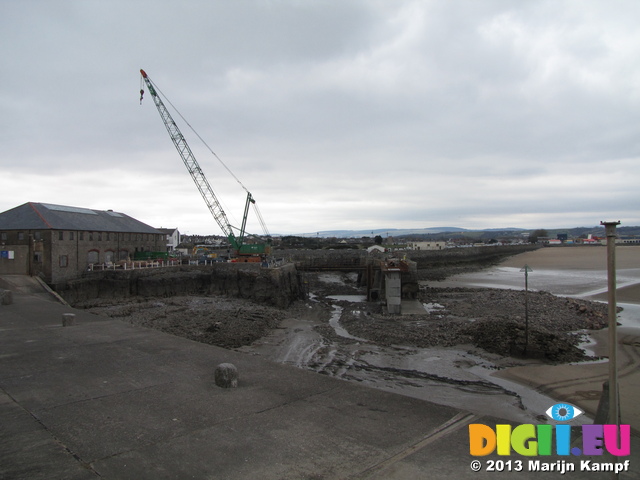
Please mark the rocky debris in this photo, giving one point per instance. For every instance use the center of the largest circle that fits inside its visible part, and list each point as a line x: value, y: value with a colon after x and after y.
x: 222, y: 321
x: 491, y: 319
x: 544, y: 309
x: 508, y: 338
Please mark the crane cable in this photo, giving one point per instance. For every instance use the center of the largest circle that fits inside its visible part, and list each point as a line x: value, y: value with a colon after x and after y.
x: 198, y: 135
x: 255, y: 206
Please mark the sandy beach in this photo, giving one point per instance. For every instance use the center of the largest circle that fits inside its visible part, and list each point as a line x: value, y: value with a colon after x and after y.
x: 579, y: 272
x: 576, y: 258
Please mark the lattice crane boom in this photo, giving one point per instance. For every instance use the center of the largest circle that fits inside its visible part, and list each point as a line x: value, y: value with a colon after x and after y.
x: 196, y: 172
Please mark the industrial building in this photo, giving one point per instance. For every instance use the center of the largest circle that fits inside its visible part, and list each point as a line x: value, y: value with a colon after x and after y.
x: 59, y: 243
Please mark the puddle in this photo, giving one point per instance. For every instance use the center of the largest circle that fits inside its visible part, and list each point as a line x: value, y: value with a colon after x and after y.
x: 334, y: 321
x: 349, y: 298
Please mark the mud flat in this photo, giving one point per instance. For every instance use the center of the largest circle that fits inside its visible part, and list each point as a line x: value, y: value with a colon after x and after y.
x: 448, y: 354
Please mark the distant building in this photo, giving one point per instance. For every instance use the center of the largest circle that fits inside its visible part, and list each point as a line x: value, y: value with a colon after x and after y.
x: 628, y: 240
x: 428, y: 245
x: 173, y: 237
x: 59, y: 242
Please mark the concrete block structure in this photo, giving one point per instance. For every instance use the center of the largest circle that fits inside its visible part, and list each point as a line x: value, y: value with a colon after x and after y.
x: 59, y: 243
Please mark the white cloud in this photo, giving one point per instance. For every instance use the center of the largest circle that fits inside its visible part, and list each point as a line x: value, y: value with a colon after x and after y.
x: 343, y: 115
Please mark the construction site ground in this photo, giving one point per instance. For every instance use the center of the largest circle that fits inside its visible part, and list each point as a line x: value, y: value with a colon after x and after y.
x: 109, y: 399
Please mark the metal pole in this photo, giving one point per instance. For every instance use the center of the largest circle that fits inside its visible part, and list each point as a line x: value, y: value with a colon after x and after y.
x: 526, y: 269
x: 610, y: 230
x: 526, y: 308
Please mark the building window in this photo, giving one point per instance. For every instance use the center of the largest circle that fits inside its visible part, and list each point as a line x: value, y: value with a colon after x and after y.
x: 109, y: 256
x: 99, y: 236
x: 64, y: 261
x: 3, y: 236
x: 20, y: 235
x: 37, y: 235
x: 91, y: 236
x: 108, y: 236
x: 71, y: 235
x: 93, y: 256
x: 61, y: 235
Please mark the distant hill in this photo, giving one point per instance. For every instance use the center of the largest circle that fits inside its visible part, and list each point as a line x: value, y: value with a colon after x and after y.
x: 383, y: 232
x: 441, y: 232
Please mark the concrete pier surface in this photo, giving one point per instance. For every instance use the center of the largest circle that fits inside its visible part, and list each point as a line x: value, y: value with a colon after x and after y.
x: 103, y: 399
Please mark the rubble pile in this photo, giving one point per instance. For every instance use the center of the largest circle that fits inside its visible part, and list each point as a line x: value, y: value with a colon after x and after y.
x: 223, y: 321
x: 491, y: 319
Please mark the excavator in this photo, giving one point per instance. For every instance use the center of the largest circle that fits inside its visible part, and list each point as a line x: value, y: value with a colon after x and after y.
x: 245, y: 252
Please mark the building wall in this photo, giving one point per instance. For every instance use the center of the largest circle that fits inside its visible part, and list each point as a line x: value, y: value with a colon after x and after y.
x: 429, y: 245
x: 59, y: 255
x: 173, y: 240
x: 19, y: 264
x: 28, y: 252
x: 393, y: 291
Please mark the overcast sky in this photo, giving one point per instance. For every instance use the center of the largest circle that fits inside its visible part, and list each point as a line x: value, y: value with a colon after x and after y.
x: 334, y: 114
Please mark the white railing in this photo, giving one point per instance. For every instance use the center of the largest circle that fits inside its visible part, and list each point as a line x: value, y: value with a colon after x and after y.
x: 133, y: 265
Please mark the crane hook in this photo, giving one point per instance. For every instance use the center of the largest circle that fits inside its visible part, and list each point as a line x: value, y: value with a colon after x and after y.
x: 141, y: 95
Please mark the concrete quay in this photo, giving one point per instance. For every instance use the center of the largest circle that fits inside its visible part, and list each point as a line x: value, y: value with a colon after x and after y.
x: 103, y: 399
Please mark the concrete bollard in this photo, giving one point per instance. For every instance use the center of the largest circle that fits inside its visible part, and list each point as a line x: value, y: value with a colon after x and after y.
x: 6, y: 298
x: 226, y: 375
x: 68, y: 319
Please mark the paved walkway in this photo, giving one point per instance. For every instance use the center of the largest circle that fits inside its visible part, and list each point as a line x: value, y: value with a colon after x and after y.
x: 105, y: 399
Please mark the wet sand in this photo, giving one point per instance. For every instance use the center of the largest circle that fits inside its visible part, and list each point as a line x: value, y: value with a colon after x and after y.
x: 576, y: 258
x: 566, y: 271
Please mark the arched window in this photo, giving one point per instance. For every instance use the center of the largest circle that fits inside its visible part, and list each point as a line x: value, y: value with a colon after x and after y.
x: 93, y: 256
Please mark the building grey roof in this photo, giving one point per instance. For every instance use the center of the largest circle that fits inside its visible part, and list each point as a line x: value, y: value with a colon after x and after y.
x: 46, y: 216
x: 167, y: 231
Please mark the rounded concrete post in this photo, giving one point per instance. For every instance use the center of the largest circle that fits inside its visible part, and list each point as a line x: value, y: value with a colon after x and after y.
x: 226, y: 375
x: 68, y: 319
x: 6, y: 297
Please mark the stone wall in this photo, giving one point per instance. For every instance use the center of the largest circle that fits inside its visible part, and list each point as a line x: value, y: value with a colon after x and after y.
x: 425, y: 259
x: 454, y: 256
x: 273, y: 286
